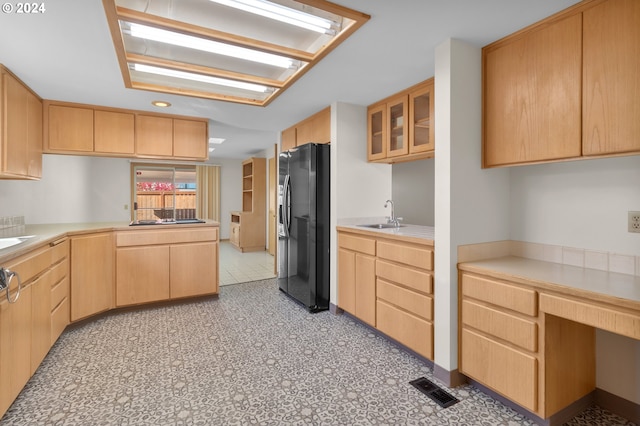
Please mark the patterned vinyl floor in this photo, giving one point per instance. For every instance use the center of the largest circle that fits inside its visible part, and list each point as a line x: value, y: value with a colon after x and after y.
x: 251, y: 357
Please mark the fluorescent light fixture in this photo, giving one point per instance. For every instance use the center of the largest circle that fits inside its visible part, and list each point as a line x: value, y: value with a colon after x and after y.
x: 216, y: 141
x: 283, y: 14
x: 201, y: 78
x: 182, y: 40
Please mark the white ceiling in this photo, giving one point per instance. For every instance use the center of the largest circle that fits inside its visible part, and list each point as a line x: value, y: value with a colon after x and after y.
x: 66, y: 53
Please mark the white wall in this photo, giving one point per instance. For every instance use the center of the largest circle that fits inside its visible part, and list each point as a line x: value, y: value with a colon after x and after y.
x: 72, y: 189
x: 413, y: 191
x: 584, y: 204
x: 358, y: 188
x: 471, y: 204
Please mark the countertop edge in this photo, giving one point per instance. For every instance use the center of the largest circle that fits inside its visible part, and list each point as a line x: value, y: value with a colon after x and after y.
x: 45, y: 234
x: 492, y: 268
x: 390, y: 234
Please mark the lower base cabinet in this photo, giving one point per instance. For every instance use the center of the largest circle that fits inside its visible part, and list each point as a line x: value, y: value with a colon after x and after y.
x: 166, y: 264
x: 388, y: 284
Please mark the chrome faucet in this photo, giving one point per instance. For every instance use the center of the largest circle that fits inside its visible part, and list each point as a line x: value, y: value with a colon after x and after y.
x: 392, y: 219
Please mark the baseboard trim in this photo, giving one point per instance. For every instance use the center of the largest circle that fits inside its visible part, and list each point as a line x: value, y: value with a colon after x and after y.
x: 616, y: 404
x: 450, y: 378
x: 334, y: 309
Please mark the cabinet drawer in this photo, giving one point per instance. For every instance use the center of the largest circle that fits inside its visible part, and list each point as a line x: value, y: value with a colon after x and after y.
x: 59, y: 250
x: 411, y: 331
x: 59, y: 292
x: 168, y: 236
x: 602, y: 317
x: 501, y: 368
x: 505, y: 326
x: 31, y: 265
x: 59, y: 320
x: 508, y: 296
x: 417, y: 280
x: 359, y: 244
x: 59, y: 271
x: 415, y: 303
x: 419, y: 257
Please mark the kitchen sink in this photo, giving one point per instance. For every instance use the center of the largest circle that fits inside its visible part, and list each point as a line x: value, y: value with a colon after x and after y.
x: 382, y: 225
x: 12, y: 241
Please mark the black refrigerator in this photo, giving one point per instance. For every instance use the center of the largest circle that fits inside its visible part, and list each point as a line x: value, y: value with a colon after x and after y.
x: 303, y: 225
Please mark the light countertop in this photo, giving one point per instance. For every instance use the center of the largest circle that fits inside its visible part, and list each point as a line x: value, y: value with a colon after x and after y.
x: 416, y: 233
x: 46, y: 233
x: 603, y: 286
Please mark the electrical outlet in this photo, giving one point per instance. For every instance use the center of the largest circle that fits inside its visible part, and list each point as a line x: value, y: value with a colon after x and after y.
x: 126, y: 206
x: 634, y: 222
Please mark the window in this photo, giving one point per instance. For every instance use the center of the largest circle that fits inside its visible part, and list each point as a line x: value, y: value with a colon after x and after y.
x: 163, y: 192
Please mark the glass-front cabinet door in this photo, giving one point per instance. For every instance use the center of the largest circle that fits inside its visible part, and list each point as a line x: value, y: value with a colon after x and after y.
x: 398, y: 142
x: 377, y: 133
x: 421, y: 132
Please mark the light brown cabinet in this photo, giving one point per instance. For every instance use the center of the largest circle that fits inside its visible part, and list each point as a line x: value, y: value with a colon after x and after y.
x: 92, y: 274
x: 564, y: 88
x: 313, y: 129
x: 248, y: 227
x: 401, y: 128
x: 20, y: 129
x: 357, y: 276
x: 92, y: 130
x: 25, y: 326
x: 388, y: 283
x: 166, y: 264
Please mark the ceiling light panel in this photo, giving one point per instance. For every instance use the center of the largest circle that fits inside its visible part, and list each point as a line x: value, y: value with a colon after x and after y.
x: 225, y: 39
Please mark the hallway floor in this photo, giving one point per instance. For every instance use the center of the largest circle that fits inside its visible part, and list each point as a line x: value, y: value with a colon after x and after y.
x: 237, y: 267
x: 252, y: 356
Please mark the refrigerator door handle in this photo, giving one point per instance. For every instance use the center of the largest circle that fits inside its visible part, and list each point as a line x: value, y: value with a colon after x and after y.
x: 286, y: 202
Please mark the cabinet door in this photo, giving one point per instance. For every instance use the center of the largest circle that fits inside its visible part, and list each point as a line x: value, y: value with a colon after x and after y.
x: 288, y: 139
x: 532, y: 96
x: 190, y: 139
x: 34, y: 136
x: 114, y: 132
x: 142, y: 275
x: 611, y: 70
x: 315, y: 129
x: 377, y: 133
x: 15, y: 153
x: 365, y: 284
x: 70, y: 129
x: 398, y: 133
x: 154, y: 136
x: 92, y: 264
x: 194, y: 269
x: 15, y: 347
x: 234, y: 237
x: 347, y: 280
x: 422, y: 127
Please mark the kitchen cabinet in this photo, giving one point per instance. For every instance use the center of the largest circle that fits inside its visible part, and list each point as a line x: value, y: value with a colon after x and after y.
x: 248, y: 227
x: 400, y: 127
x: 165, y: 264
x: 313, y: 129
x: 522, y: 341
x: 564, y: 88
x: 92, y: 274
x: 388, y: 283
x: 611, y: 93
x: 20, y: 129
x: 357, y: 276
x: 25, y: 326
x: 93, y: 130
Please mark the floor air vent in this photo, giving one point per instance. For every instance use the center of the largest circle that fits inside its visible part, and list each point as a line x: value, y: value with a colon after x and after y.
x: 433, y: 391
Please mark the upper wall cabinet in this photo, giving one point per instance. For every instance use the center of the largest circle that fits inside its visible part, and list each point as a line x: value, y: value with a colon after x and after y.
x: 90, y: 130
x: 400, y: 128
x: 611, y: 88
x: 20, y: 129
x: 315, y: 129
x: 565, y: 87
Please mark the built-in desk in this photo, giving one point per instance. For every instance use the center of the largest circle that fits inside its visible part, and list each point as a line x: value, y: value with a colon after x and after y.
x: 527, y: 329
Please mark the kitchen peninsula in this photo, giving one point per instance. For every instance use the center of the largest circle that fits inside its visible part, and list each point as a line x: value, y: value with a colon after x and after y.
x: 71, y: 272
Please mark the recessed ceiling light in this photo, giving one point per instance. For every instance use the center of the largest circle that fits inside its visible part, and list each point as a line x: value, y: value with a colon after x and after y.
x: 161, y: 104
x: 216, y: 141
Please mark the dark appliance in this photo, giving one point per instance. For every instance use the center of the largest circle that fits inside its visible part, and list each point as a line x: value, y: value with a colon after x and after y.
x: 303, y: 225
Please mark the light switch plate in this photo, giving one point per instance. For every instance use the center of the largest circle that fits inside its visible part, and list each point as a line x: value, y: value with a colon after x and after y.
x: 634, y: 222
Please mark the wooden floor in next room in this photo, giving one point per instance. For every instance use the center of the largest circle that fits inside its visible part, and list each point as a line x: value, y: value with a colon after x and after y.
x: 237, y: 267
